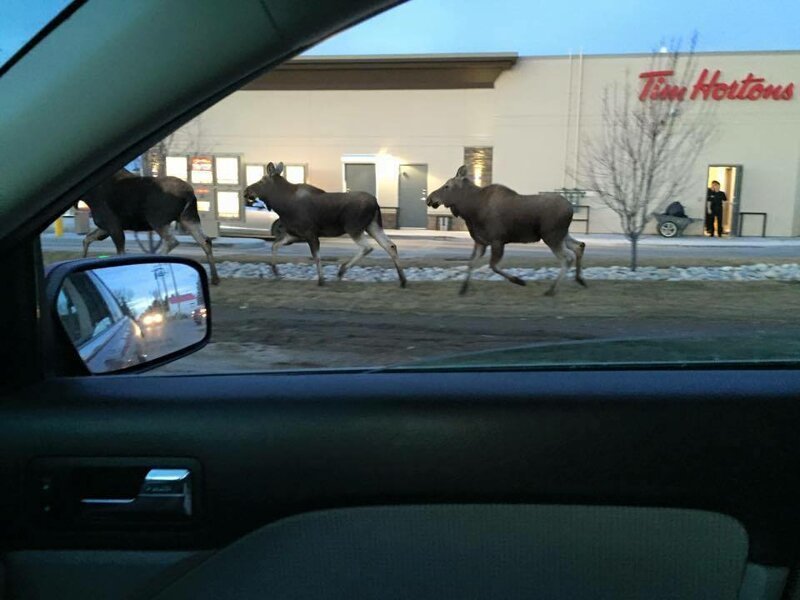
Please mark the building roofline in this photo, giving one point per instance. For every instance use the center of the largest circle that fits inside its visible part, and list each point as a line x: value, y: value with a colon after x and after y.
x: 649, y: 54
x: 390, y: 72
x: 394, y: 58
x: 422, y: 71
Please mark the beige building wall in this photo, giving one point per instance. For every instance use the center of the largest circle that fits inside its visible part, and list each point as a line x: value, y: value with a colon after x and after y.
x: 322, y: 128
x: 538, y: 119
x: 548, y: 108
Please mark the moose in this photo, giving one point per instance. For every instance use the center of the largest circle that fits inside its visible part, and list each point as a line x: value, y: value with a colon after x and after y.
x: 496, y: 215
x: 129, y: 202
x: 309, y: 213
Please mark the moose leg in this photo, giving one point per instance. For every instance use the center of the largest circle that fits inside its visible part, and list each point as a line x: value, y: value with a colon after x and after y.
x: 194, y: 229
x: 566, y: 257
x: 118, y: 237
x: 166, y: 235
x: 363, y: 249
x: 376, y: 232
x: 497, y: 256
x: 93, y: 236
x: 284, y: 240
x: 313, y: 245
x: 578, y: 248
x: 477, y: 254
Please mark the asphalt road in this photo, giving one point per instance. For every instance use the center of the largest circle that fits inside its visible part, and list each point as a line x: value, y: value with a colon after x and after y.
x: 172, y: 336
x: 421, y: 246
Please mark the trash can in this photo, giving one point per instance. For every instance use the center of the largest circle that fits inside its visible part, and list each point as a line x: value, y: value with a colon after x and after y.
x: 82, y: 221
x: 443, y: 223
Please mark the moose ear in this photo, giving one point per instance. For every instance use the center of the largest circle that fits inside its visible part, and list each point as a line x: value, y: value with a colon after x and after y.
x: 279, y: 168
x: 462, y: 171
x: 270, y: 169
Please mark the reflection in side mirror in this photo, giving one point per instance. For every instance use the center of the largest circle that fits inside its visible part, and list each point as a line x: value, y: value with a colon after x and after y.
x: 121, y: 316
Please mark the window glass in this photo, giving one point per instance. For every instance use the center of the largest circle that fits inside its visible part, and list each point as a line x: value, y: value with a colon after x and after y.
x: 253, y: 173
x: 228, y: 205
x: 177, y: 167
x: 296, y: 173
x: 88, y: 312
x: 20, y: 20
x: 227, y: 170
x: 572, y: 184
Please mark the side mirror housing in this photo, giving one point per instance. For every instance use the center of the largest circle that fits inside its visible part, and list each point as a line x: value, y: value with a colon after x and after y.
x: 124, y: 314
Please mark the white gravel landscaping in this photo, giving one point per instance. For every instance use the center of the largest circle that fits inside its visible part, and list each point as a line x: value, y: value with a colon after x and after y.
x: 302, y: 272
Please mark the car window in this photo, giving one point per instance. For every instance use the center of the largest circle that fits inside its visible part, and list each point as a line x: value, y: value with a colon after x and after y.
x: 570, y: 184
x: 85, y: 308
x: 20, y: 20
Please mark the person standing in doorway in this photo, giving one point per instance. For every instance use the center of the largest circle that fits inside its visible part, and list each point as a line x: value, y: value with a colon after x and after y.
x: 714, y: 199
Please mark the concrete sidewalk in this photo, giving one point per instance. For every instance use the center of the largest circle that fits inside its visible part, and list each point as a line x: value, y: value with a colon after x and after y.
x: 609, y: 240
x: 130, y: 240
x: 613, y: 239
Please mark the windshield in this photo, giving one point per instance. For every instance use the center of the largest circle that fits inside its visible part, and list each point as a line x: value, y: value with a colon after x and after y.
x: 453, y: 184
x: 20, y: 20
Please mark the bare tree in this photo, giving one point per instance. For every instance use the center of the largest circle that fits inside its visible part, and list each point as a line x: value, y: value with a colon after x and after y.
x: 649, y: 140
x: 187, y: 141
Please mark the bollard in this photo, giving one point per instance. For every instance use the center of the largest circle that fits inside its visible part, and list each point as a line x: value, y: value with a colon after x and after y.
x: 59, y: 226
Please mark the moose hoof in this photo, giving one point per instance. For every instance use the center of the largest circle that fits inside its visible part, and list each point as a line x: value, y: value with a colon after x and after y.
x: 550, y: 292
x: 215, y: 281
x: 321, y: 282
x: 517, y: 281
x: 462, y: 291
x: 582, y: 282
x: 403, y: 283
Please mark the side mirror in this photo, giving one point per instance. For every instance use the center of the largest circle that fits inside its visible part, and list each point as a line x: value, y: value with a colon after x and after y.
x: 125, y: 314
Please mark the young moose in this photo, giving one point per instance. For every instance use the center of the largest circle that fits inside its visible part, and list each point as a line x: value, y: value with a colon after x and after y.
x: 308, y: 213
x: 133, y: 203
x: 496, y: 216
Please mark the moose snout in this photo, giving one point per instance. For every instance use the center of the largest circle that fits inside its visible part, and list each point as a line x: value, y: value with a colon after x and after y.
x: 432, y: 201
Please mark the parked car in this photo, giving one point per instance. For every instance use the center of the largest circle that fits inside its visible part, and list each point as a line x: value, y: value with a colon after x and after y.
x: 100, y: 328
x: 259, y: 222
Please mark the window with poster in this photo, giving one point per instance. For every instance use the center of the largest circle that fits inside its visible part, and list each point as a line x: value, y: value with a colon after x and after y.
x: 201, y: 169
x: 228, y: 180
x: 216, y: 180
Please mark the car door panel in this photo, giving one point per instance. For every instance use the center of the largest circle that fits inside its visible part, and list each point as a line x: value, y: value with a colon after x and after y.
x: 329, y: 440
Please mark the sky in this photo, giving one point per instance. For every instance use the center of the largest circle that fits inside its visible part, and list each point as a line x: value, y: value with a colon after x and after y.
x: 523, y: 26
x: 140, y: 281
x: 557, y: 27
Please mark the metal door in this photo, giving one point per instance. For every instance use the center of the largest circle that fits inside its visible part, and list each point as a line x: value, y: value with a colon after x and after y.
x: 413, y: 191
x: 360, y: 177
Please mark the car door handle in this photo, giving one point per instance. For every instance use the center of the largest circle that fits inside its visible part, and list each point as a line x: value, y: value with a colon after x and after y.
x: 164, y: 492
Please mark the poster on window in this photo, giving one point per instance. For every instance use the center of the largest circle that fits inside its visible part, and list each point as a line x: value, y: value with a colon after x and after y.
x: 202, y: 169
x: 227, y: 170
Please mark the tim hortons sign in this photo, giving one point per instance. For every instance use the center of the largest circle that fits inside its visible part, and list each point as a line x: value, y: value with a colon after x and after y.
x: 658, y: 85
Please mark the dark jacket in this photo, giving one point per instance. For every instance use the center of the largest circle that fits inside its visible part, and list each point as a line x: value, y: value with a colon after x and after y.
x: 716, y: 199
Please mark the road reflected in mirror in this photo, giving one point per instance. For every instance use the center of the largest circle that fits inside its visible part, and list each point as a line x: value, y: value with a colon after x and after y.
x: 126, y: 315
